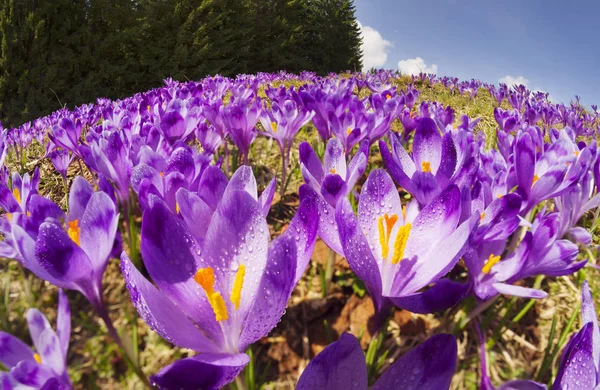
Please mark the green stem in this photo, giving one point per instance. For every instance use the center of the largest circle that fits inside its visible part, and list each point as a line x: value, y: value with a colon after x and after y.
x: 239, y: 382
x: 329, y: 268
x: 131, y: 361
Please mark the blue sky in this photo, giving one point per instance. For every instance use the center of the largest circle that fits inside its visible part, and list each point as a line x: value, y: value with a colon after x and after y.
x: 554, y: 45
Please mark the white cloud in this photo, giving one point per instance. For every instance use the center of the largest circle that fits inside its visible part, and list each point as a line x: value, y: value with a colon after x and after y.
x: 510, y: 80
x: 374, y: 47
x: 414, y: 66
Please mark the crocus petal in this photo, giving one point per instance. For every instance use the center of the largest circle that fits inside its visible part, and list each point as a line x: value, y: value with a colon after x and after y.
x: 588, y: 315
x: 243, y: 179
x: 303, y: 230
x: 310, y: 160
x: 327, y: 227
x: 378, y: 197
x: 438, y: 262
x: 162, y: 315
x: 37, y: 324
x: 547, y: 185
x: 333, y: 188
x: 266, y: 198
x: 577, y: 369
x: 443, y: 295
x: 521, y: 385
x: 430, y: 365
x: 63, y: 321
x: 448, y: 160
x: 26, y: 247
x: 434, y: 222
x: 424, y: 187
x: 203, y: 371
x: 357, y: 250
x: 79, y: 196
x: 427, y: 144
x: 99, y: 225
x: 30, y: 373
x: 7, y: 200
x: 166, y: 248
x: 340, y: 366
x: 334, y: 159
x: 238, y: 235
x: 518, y: 291
x: 211, y: 186
x: 394, y: 168
x: 49, y: 348
x: 525, y: 162
x: 356, y: 168
x: 13, y: 350
x: 195, y: 212
x: 41, y: 210
x: 63, y: 259
x: 273, y: 292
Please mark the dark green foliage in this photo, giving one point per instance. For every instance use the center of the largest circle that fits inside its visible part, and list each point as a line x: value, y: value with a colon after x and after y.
x: 71, y: 52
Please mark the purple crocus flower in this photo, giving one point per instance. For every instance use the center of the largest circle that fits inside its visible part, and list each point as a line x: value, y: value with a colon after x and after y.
x: 111, y: 158
x: 209, y: 138
x: 552, y: 173
x: 66, y: 134
x: 219, y: 297
x: 73, y: 257
x: 331, y: 181
x: 61, y: 160
x: 15, y: 200
x: 282, y: 122
x: 433, y: 165
x: 580, y: 362
x: 397, y: 251
x: 341, y: 366
x: 240, y: 117
x: 541, y: 252
x: 42, y: 368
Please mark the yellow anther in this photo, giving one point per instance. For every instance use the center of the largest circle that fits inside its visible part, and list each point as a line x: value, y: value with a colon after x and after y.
x: 162, y: 174
x: 274, y: 127
x: 535, y: 178
x: 499, y: 196
x: 491, y: 261
x: 28, y: 214
x: 576, y: 153
x: 74, y: 230
x: 388, y: 95
x: 17, y: 194
x: 400, y: 244
x: 37, y: 358
x: 148, y: 108
x: 177, y: 209
x: 333, y: 171
x: 426, y: 166
x: 481, y: 216
x: 236, y: 292
x: 349, y: 130
x: 385, y: 225
x: 218, y: 305
x: 205, y: 277
x: 9, y: 217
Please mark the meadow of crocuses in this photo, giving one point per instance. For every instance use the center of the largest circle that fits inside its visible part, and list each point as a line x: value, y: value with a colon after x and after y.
x: 200, y: 204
